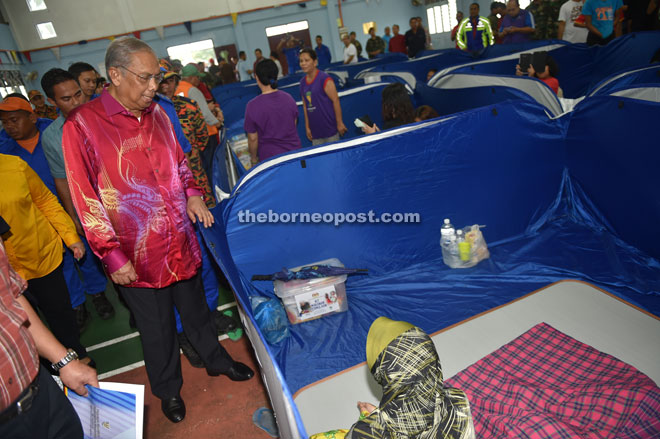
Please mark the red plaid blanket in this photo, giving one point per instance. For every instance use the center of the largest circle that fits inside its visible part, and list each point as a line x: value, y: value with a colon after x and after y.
x: 545, y: 384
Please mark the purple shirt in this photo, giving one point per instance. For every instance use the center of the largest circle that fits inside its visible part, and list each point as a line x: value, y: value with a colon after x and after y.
x: 523, y: 19
x: 320, y: 112
x: 273, y: 117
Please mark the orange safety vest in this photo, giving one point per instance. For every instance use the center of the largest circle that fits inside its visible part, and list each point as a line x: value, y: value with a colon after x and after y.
x: 183, y: 89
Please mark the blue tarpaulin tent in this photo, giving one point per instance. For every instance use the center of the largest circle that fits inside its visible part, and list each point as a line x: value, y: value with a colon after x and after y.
x: 560, y: 198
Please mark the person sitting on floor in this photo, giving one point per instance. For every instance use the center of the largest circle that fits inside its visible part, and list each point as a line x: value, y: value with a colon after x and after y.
x: 548, y: 75
x: 425, y: 112
x: 403, y: 360
x: 397, y: 108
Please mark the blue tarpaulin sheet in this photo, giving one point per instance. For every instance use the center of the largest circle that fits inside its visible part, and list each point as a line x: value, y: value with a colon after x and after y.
x: 560, y: 199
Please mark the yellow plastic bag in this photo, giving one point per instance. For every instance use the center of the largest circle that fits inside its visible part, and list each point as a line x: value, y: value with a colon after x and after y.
x: 332, y: 434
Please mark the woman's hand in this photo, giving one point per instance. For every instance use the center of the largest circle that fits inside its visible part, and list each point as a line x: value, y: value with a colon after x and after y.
x: 365, y: 407
x: 341, y: 128
x: 366, y: 129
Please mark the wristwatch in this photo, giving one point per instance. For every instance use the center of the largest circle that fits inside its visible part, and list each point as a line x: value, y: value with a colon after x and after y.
x: 68, y: 358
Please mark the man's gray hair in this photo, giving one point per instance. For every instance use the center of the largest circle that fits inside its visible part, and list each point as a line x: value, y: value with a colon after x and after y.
x: 119, y: 51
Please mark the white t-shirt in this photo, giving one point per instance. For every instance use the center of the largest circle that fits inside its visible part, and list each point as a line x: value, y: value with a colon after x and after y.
x: 242, y: 68
x: 348, y: 51
x: 568, y: 13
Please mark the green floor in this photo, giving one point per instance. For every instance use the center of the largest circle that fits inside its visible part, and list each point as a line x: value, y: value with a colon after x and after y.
x: 128, y: 351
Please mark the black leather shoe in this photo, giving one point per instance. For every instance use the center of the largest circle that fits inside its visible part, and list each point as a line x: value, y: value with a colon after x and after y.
x: 174, y: 408
x: 103, y: 307
x: 223, y: 323
x: 189, y: 351
x: 237, y: 372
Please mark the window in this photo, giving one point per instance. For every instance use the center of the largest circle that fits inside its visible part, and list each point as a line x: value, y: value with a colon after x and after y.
x: 192, y: 52
x: 441, y: 17
x: 286, y: 28
x: 36, y: 5
x: 11, y: 82
x: 46, y: 30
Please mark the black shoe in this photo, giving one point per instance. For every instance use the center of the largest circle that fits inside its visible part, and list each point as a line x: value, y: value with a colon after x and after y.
x: 103, y: 306
x: 237, y: 372
x: 223, y: 323
x: 82, y: 316
x: 189, y: 351
x: 174, y: 408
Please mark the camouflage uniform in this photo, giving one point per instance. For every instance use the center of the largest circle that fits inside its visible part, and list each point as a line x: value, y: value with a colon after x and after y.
x: 545, y: 14
x: 374, y: 44
x: 47, y: 113
x: 194, y: 128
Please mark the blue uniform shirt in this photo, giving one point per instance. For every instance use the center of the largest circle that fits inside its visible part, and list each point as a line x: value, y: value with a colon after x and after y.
x: 323, y: 56
x: 35, y: 159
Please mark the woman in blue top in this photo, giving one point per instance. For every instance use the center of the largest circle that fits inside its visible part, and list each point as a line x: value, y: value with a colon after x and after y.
x: 323, y: 120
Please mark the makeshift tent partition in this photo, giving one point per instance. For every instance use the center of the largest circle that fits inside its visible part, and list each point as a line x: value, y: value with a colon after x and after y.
x: 350, y: 70
x: 420, y: 66
x: 580, y: 67
x: 355, y: 102
x: 559, y: 197
x: 635, y: 76
x: 453, y: 93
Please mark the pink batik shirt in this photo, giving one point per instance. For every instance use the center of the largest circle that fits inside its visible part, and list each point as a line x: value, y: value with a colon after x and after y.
x: 130, y: 182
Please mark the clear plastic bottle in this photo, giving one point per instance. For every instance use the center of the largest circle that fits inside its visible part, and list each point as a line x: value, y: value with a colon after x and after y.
x: 446, y: 232
x: 464, y: 246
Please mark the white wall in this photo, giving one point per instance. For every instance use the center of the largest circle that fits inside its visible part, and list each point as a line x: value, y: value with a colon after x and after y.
x: 248, y: 34
x: 76, y: 20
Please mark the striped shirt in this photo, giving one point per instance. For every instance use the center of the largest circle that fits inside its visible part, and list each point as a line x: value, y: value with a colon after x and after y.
x: 19, y: 363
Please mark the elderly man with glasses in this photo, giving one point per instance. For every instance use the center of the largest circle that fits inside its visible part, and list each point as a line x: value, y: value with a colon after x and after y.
x: 137, y: 202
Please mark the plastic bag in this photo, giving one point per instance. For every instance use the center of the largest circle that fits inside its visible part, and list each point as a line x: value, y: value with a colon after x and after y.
x: 270, y: 317
x: 468, y: 253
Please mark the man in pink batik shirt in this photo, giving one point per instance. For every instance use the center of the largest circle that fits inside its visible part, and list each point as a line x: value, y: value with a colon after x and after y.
x: 137, y: 200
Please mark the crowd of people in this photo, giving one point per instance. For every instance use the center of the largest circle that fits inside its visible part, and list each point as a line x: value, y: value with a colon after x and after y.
x: 115, y: 188
x: 595, y: 22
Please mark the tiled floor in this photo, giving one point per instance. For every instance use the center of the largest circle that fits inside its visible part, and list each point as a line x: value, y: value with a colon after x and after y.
x: 216, y: 407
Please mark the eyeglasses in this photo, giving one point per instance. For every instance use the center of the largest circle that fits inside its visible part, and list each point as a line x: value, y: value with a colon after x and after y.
x: 146, y: 78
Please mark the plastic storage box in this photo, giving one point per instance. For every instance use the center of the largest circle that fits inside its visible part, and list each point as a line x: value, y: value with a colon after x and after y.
x: 309, y: 299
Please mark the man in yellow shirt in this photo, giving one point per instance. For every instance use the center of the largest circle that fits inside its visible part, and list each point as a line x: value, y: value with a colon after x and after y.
x: 34, y: 247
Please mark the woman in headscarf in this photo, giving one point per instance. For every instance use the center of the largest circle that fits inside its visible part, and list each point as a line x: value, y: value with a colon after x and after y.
x: 415, y: 404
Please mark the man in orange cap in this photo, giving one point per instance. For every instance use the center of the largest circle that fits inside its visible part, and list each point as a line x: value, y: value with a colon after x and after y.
x: 22, y: 137
x: 41, y: 109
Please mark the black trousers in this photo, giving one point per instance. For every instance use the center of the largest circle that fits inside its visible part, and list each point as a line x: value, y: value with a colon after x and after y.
x: 593, y: 39
x: 51, y: 416
x: 51, y: 296
x: 153, y: 309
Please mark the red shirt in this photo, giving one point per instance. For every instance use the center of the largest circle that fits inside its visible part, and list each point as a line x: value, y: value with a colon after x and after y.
x: 205, y: 91
x: 398, y: 44
x: 19, y: 363
x: 129, y: 182
x: 552, y: 83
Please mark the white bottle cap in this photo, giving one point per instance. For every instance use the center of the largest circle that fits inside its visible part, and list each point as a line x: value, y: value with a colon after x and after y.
x: 447, y: 221
x: 459, y: 232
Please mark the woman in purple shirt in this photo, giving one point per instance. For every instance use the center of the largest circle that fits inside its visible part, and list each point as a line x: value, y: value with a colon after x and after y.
x: 270, y: 118
x: 323, y: 120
